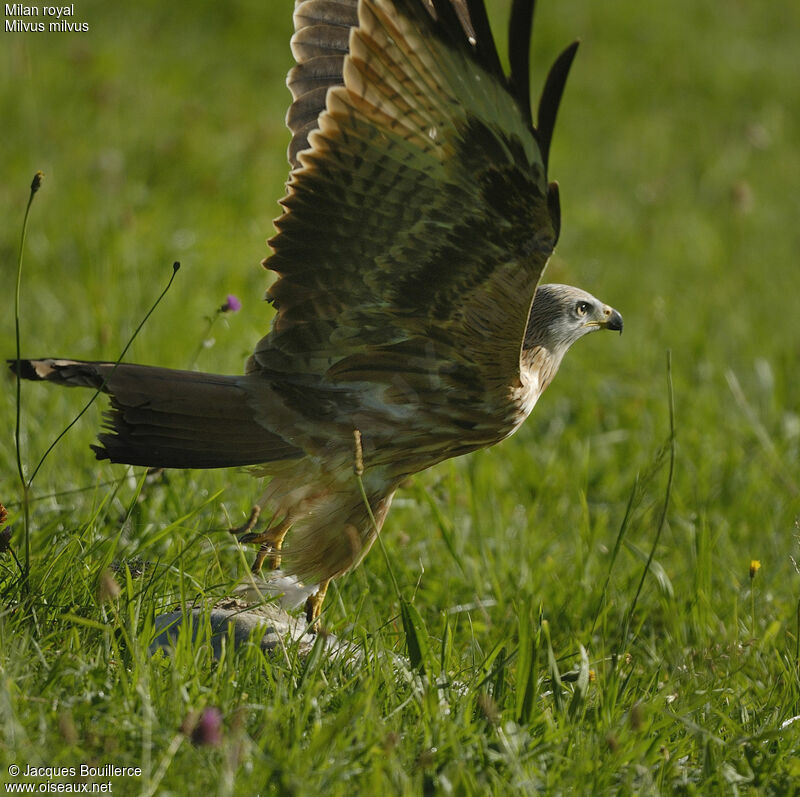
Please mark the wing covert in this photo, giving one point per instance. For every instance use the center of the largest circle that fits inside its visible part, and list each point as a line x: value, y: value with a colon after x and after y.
x: 418, y: 221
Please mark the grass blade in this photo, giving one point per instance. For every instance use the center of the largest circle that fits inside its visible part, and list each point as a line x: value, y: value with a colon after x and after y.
x: 667, y: 496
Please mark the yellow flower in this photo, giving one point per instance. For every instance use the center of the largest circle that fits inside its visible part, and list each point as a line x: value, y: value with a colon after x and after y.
x: 755, y: 566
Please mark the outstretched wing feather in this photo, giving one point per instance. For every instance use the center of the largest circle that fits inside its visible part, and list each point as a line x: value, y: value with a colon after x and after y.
x: 416, y: 225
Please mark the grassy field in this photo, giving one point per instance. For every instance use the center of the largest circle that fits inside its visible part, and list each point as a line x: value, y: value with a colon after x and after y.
x: 548, y: 656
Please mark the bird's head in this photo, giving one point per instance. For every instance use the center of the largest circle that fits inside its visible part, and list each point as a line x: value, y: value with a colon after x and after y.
x: 561, y: 314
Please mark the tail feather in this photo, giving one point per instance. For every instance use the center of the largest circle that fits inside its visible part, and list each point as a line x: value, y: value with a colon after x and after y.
x: 161, y: 417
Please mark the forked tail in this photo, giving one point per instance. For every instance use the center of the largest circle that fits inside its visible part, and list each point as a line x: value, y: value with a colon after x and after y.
x: 161, y: 417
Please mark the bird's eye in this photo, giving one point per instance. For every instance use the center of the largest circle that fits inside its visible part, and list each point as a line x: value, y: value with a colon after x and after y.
x: 581, y: 308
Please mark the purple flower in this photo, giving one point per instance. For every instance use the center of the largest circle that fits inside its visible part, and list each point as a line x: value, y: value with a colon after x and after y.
x: 208, y: 730
x: 232, y: 304
x: 5, y: 534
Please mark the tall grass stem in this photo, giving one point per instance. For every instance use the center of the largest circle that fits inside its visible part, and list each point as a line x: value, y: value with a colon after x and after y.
x: 99, y: 390
x: 35, y: 185
x: 667, y: 496
x: 359, y: 471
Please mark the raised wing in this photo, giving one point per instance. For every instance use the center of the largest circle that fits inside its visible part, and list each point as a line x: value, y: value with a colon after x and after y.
x: 418, y: 220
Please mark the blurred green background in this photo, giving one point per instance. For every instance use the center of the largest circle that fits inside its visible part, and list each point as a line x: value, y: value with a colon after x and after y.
x: 160, y: 132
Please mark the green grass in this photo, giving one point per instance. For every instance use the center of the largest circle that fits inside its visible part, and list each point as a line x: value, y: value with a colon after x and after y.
x: 161, y: 136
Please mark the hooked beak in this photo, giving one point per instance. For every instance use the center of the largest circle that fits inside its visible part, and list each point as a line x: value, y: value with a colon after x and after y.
x: 613, y: 320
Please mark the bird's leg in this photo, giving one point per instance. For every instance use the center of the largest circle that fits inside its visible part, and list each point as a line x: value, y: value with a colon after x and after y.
x: 270, y: 540
x: 314, y: 605
x: 263, y: 552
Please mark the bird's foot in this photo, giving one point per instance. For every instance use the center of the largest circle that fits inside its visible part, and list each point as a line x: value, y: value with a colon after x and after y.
x: 271, y: 553
x: 314, y: 606
x: 270, y: 540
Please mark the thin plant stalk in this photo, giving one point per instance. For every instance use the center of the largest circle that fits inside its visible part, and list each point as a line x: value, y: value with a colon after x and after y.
x: 617, y: 545
x: 230, y: 305
x: 359, y: 471
x: 755, y: 566
x: 35, y: 185
x: 667, y: 495
x: 27, y: 482
x: 204, y: 340
x: 99, y: 390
